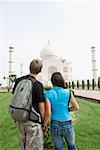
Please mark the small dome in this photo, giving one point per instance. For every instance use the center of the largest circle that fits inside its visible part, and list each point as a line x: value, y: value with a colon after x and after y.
x: 48, y: 52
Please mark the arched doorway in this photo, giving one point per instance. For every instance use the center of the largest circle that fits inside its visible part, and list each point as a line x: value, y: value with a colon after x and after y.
x: 51, y: 70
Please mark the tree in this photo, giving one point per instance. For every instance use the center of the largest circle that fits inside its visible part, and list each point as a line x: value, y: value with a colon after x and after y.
x: 69, y: 85
x: 12, y: 79
x: 83, y: 84
x: 93, y: 84
x: 78, y: 84
x: 88, y: 84
x: 99, y: 83
x: 73, y: 84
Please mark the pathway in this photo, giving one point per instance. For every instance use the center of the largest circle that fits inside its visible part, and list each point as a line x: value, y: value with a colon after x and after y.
x: 88, y: 94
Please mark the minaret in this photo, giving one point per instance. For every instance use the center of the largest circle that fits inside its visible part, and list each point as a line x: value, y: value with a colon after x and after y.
x: 48, y: 41
x: 21, y: 69
x: 11, y: 62
x: 94, y: 69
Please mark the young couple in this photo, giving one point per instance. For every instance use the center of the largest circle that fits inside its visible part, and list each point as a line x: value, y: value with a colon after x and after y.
x: 52, y: 105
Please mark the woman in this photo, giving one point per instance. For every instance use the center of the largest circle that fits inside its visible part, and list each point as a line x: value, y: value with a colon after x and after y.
x: 57, y: 102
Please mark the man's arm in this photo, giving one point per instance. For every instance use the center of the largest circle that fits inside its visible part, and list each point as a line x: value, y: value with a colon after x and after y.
x: 46, y: 115
x: 39, y: 95
x: 41, y: 109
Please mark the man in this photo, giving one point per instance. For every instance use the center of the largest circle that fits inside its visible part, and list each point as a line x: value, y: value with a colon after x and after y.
x: 31, y: 134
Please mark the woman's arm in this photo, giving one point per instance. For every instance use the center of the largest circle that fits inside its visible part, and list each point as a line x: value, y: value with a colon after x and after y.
x: 74, y: 103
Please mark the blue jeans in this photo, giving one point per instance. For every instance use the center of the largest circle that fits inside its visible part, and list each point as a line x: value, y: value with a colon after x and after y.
x: 63, y: 130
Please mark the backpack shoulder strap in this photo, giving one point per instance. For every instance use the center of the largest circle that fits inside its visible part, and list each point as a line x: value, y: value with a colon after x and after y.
x: 32, y: 79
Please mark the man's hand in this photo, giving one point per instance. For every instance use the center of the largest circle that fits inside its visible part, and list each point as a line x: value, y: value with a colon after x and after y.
x: 45, y: 128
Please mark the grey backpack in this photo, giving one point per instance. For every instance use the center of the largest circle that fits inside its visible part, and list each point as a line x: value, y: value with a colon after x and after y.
x: 21, y: 106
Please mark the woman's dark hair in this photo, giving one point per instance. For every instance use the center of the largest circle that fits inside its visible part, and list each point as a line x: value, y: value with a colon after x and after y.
x: 58, y: 80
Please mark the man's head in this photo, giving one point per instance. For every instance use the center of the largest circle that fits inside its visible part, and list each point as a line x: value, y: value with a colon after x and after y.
x: 57, y: 79
x: 35, y: 66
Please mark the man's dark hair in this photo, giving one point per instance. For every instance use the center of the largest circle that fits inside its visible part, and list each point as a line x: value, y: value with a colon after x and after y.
x: 58, y: 80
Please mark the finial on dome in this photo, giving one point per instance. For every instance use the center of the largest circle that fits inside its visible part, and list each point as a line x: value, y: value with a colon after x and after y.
x: 48, y: 41
x: 48, y: 52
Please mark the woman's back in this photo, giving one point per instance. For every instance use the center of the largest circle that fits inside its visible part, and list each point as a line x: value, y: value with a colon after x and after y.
x: 59, y: 100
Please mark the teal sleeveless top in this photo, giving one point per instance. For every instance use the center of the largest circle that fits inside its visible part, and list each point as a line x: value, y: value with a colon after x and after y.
x: 59, y: 100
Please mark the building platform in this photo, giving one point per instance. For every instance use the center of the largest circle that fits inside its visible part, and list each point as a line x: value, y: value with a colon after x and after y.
x: 88, y: 94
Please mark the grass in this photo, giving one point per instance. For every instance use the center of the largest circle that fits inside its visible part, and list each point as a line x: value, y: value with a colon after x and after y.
x: 86, y: 124
x: 8, y: 131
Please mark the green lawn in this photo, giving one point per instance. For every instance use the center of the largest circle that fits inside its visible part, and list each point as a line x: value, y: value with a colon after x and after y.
x: 87, y: 126
x: 8, y: 132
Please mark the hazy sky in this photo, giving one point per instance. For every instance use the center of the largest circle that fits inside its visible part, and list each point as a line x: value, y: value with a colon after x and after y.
x: 72, y: 27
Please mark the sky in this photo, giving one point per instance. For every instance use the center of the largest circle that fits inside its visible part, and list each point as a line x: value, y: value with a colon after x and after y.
x: 72, y: 27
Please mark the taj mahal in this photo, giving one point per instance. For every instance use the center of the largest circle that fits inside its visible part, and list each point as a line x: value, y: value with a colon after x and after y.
x: 52, y: 63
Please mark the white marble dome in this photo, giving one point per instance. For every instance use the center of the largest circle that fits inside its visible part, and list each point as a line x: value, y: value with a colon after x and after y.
x: 48, y: 52
x: 53, y: 63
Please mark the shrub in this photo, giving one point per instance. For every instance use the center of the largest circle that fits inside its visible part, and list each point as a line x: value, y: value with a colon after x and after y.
x: 48, y: 143
x: 47, y: 88
x: 88, y: 84
x: 78, y: 84
x: 69, y: 85
x: 73, y: 84
x: 93, y: 84
x: 98, y: 82
x: 83, y: 84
